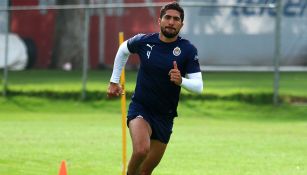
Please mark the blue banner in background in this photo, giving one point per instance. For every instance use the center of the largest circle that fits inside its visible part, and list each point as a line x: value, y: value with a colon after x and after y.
x: 291, y: 8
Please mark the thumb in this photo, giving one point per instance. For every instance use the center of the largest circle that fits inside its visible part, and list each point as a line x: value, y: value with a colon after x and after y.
x: 175, y: 65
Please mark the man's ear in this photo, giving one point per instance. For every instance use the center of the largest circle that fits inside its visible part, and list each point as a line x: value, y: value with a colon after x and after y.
x: 159, y: 21
x: 181, y: 25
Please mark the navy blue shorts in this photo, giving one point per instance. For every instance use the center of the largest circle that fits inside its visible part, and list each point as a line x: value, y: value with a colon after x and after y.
x: 161, y: 126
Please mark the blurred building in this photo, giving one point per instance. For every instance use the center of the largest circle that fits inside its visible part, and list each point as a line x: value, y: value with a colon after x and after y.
x: 224, y: 36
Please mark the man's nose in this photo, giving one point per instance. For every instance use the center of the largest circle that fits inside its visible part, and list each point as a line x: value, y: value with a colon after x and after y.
x: 171, y: 21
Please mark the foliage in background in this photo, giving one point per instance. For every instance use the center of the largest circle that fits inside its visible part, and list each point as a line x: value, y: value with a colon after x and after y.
x: 252, y: 87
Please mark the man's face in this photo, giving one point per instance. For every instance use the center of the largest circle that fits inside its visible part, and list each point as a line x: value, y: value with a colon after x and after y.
x: 170, y: 23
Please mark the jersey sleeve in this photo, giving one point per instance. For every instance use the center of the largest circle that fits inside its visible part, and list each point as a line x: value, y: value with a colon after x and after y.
x: 133, y: 43
x: 192, y: 61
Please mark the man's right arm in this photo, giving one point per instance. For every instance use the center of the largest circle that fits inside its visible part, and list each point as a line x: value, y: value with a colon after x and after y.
x: 119, y: 62
x: 121, y: 58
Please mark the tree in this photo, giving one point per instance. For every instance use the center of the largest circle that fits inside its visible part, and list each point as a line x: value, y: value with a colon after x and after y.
x: 68, y: 43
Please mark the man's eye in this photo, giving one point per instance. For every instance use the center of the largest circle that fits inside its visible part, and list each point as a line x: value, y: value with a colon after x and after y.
x: 176, y: 18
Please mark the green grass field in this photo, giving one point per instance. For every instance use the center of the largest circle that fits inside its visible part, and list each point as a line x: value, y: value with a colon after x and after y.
x: 211, y: 136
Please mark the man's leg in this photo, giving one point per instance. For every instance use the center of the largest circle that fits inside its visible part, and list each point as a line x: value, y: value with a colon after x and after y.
x: 153, y: 158
x: 140, y: 132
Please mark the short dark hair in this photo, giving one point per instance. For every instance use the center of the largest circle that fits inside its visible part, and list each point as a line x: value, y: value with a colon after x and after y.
x: 172, y: 6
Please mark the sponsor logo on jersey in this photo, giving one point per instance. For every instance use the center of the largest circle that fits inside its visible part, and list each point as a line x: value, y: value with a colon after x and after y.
x: 149, y: 52
x: 177, y: 51
x: 148, y: 45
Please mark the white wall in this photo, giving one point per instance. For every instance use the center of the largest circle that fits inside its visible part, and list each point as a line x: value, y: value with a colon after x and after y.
x: 245, y: 36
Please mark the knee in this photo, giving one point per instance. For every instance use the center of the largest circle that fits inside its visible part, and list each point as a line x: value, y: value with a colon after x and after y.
x: 141, y: 152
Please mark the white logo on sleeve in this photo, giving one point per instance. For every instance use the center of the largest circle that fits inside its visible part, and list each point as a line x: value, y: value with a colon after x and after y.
x: 196, y: 57
x: 149, y: 52
x: 177, y: 51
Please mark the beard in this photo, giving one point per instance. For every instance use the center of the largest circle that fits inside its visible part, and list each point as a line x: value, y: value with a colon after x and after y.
x: 168, y: 34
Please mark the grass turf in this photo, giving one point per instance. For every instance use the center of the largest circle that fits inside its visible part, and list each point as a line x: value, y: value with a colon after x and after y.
x: 210, y: 138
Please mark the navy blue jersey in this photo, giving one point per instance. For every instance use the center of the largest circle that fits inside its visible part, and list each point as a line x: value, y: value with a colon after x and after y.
x: 154, y: 90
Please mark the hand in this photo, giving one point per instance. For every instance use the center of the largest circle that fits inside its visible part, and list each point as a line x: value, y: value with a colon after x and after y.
x: 114, y: 90
x: 175, y: 75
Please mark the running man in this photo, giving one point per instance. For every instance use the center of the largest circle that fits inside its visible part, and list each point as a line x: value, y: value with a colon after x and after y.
x: 167, y: 63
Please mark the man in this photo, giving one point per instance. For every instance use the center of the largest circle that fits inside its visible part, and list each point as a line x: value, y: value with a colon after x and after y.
x: 165, y: 58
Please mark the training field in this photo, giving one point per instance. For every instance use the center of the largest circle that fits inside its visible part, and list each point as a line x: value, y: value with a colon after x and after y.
x: 233, y: 129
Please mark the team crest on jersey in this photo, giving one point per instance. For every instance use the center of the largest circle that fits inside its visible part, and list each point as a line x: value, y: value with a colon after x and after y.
x: 177, y: 51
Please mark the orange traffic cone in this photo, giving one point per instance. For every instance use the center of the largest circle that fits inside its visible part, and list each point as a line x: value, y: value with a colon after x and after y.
x: 63, y: 170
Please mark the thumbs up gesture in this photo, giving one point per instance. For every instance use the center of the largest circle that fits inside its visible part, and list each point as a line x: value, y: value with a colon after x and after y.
x: 175, y: 75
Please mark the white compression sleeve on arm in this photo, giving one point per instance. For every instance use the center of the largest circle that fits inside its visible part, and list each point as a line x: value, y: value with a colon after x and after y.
x: 193, y: 82
x: 119, y: 62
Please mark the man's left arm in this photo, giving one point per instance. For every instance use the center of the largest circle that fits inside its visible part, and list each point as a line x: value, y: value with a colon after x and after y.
x: 193, y: 82
x: 193, y: 79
